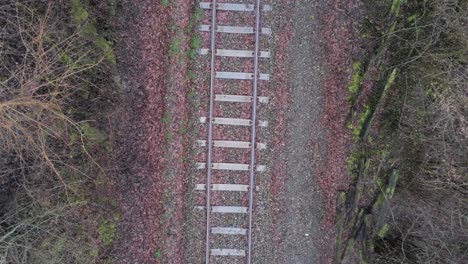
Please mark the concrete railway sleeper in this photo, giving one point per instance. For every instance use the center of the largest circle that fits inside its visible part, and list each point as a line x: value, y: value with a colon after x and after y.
x: 241, y: 209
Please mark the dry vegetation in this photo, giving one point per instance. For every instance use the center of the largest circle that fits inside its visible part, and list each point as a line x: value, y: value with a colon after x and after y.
x: 52, y: 80
x: 430, y: 220
x: 424, y: 128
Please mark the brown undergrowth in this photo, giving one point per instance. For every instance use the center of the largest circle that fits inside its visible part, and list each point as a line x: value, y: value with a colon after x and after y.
x: 54, y: 78
x: 407, y: 200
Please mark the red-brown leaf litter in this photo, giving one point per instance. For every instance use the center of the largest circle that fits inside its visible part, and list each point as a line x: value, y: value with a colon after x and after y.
x: 339, y: 32
x: 154, y: 111
x: 340, y: 22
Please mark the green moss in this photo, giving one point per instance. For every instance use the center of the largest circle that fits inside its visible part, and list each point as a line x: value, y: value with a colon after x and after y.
x: 342, y: 198
x: 355, y: 84
x: 390, y: 80
x: 78, y: 198
x: 107, y: 231
x: 383, y: 231
x: 379, y: 203
x: 353, y: 164
x: 412, y: 18
x: 51, y: 248
x: 385, y: 152
x: 94, y: 253
x: 78, y: 12
x: 380, y: 182
x: 165, y: 3
x: 92, y: 135
x: 392, y: 184
x: 56, y: 249
x: 88, y: 29
x: 357, y: 131
x: 350, y: 246
x: 368, y: 110
x: 63, y: 57
x: 339, y: 243
x: 116, y: 217
x: 106, y: 47
x: 73, y: 138
x: 388, y: 189
x: 367, y: 164
x: 395, y: 10
x: 46, y: 242
x: 58, y: 246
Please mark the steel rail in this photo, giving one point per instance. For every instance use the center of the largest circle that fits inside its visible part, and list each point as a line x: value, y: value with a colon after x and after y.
x: 254, y: 124
x: 210, y: 129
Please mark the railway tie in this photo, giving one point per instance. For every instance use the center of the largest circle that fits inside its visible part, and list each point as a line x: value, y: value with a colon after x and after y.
x: 217, y: 213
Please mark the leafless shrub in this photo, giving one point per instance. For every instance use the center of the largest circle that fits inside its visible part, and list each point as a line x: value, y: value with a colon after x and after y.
x: 44, y: 65
x: 429, y: 218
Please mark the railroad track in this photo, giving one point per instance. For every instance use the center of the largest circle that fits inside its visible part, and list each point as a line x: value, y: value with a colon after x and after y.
x: 230, y: 186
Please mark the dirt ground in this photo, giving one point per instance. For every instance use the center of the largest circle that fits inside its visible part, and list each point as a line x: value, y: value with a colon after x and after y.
x: 294, y: 204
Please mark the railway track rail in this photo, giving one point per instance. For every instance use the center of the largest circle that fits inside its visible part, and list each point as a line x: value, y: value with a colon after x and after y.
x: 229, y: 222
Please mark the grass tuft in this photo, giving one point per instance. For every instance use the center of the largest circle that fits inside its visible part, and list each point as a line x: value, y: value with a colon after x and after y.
x: 174, y: 47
